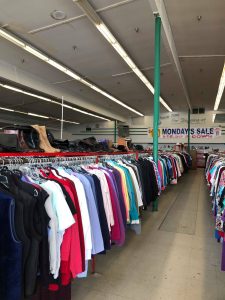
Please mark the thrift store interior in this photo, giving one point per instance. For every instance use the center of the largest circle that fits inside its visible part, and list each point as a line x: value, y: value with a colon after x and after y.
x: 112, y: 150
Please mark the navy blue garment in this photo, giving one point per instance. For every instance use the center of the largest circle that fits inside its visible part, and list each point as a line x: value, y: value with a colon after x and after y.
x: 102, y: 215
x: 118, y: 186
x: 10, y: 252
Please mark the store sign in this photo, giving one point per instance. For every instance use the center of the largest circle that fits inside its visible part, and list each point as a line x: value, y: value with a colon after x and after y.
x: 196, y: 133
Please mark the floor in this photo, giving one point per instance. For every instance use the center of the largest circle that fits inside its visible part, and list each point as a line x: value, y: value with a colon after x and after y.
x: 175, y: 257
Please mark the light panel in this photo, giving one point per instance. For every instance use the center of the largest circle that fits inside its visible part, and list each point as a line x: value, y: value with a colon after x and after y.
x: 11, y: 38
x: 9, y: 87
x: 220, y: 89
x: 102, y: 28
x: 35, y: 115
x: 36, y: 53
x: 7, y: 109
x: 66, y: 70
x: 86, y: 113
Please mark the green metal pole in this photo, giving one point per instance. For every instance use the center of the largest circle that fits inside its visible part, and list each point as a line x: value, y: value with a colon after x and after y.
x: 156, y: 94
x: 189, y: 130
x: 115, y: 131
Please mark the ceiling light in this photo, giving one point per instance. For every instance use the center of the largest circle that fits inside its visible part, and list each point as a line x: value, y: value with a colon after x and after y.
x: 96, y: 20
x: 36, y: 115
x: 220, y: 89
x: 9, y: 87
x: 72, y: 122
x: 36, y: 53
x: 58, y: 15
x: 73, y: 75
x: 106, y: 33
x: 11, y: 38
x: 84, y: 112
x: 86, y: 7
x: 130, y: 63
x: 70, y: 73
x: 87, y: 83
x: 7, y: 109
x: 165, y: 104
x: 119, y: 50
x: 56, y: 65
x: 52, y: 101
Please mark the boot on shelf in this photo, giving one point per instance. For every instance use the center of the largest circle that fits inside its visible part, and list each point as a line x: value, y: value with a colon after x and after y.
x: 44, y: 142
x: 44, y: 134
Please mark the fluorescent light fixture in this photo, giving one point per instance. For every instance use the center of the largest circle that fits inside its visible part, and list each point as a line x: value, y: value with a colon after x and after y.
x: 56, y: 65
x: 84, y: 112
x: 96, y: 20
x: 220, y: 89
x: 11, y: 38
x: 130, y: 62
x: 36, y: 53
x: 7, y: 109
x: 73, y: 75
x: 52, y: 101
x: 72, y: 122
x: 70, y: 73
x: 86, y: 7
x: 106, y: 33
x: 21, y: 112
x: 87, y: 83
x: 9, y: 87
x: 119, y: 50
x: 165, y: 104
x: 36, y: 115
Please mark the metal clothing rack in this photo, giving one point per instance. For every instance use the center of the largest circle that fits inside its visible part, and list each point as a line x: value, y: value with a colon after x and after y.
x: 13, y: 159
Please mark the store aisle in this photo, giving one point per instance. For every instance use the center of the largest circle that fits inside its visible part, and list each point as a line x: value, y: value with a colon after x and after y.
x: 175, y: 257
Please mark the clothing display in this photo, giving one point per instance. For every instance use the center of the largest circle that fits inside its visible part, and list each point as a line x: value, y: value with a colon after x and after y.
x: 57, y: 215
x: 215, y: 176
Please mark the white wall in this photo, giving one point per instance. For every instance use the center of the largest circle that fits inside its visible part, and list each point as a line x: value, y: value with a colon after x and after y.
x: 139, y: 129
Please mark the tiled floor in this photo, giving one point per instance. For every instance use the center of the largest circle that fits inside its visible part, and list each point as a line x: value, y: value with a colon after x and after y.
x: 175, y: 257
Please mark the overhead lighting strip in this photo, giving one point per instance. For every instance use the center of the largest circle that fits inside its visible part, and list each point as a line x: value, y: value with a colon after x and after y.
x: 103, y: 29
x: 9, y: 87
x: 220, y: 89
x: 62, y: 68
x: 35, y: 115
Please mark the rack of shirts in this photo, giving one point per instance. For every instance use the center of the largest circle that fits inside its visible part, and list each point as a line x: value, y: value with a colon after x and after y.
x: 57, y: 212
x: 215, y: 176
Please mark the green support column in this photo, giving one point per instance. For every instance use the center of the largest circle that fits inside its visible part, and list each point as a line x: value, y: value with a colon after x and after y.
x: 189, y: 130
x: 115, y: 131
x: 156, y: 94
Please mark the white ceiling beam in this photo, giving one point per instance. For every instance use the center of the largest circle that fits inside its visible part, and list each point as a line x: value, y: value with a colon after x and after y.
x: 168, y: 40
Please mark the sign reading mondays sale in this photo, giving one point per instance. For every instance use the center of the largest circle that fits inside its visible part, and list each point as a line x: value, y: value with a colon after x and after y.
x: 196, y: 133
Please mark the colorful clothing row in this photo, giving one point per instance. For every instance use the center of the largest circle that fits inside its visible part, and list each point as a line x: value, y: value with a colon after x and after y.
x: 215, y: 176
x: 56, y: 218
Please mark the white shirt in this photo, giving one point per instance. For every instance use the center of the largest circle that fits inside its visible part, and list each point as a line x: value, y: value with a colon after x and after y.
x: 84, y: 212
x: 65, y: 220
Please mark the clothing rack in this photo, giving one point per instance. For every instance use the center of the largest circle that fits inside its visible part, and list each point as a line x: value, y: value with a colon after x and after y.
x: 148, y: 168
x: 34, y: 158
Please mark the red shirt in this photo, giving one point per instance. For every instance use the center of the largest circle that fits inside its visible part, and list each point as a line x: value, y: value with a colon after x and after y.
x: 72, y: 248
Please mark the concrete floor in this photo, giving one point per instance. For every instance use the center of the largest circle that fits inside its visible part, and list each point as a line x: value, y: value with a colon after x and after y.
x: 175, y: 257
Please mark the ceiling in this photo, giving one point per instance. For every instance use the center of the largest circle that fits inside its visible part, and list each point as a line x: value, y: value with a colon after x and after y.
x: 200, y: 46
